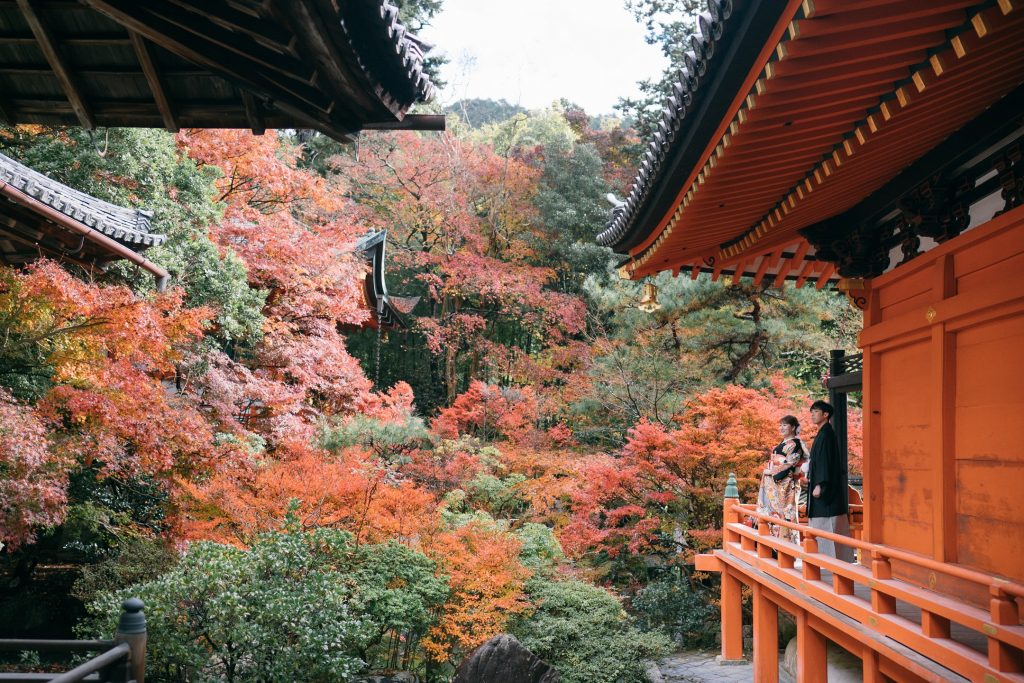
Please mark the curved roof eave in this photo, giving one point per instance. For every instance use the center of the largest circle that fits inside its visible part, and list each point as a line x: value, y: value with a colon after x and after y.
x: 729, y: 41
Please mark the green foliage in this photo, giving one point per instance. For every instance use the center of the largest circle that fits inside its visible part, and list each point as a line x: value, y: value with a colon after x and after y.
x: 143, y: 168
x: 705, y: 334
x: 582, y: 631
x: 392, y: 441
x: 571, y: 203
x: 546, y: 128
x: 680, y: 607
x: 668, y: 24
x: 137, y: 559
x: 541, y: 552
x: 499, y: 497
x: 296, y: 606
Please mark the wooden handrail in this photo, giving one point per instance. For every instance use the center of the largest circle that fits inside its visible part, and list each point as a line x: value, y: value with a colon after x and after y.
x: 102, y: 661
x: 24, y: 644
x: 124, y: 657
x: 775, y: 557
x: 956, y: 571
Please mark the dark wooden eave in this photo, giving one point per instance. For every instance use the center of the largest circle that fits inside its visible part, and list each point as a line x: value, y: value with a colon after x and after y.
x: 730, y: 38
x: 335, y: 67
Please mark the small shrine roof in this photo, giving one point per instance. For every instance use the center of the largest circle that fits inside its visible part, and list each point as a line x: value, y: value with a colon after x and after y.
x: 40, y: 216
x: 130, y: 227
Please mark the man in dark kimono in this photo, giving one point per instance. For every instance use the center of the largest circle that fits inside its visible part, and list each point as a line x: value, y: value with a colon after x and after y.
x: 827, y: 485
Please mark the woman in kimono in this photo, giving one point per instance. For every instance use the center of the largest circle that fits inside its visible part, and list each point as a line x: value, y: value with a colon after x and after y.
x: 780, y: 481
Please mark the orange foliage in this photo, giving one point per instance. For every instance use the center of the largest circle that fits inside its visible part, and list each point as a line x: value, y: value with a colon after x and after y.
x: 669, y: 480
x: 33, y: 484
x: 486, y: 581
x: 109, y: 351
x: 352, y: 491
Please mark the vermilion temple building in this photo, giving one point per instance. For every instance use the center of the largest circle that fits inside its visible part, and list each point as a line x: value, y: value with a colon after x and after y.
x: 876, y: 146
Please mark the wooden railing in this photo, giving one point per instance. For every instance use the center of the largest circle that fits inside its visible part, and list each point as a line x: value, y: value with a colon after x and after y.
x: 121, y: 660
x: 931, y: 636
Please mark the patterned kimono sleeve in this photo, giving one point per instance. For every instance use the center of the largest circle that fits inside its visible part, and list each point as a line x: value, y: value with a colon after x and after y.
x: 793, y: 451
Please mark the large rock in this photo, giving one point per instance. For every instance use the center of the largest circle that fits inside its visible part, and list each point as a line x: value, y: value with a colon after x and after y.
x: 503, y: 659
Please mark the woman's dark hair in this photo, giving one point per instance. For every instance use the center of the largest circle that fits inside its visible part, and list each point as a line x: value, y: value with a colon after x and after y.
x: 823, y: 407
x: 791, y: 421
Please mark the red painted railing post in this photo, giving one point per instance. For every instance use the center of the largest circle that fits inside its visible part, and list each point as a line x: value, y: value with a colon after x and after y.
x: 732, y: 605
x: 1003, y: 610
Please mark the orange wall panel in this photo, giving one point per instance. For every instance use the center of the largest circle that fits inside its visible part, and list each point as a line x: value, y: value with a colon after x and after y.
x: 906, y: 295
x: 990, y: 391
x: 948, y: 400
x: 990, y: 444
x: 905, y: 407
x: 984, y: 263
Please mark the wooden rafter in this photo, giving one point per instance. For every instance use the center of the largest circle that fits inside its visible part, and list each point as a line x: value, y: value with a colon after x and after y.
x: 272, y: 36
x: 826, y: 273
x: 780, y: 276
x: 81, y: 41
x: 211, y: 46
x: 765, y: 262
x: 60, y: 69
x: 156, y: 87
x: 253, y: 114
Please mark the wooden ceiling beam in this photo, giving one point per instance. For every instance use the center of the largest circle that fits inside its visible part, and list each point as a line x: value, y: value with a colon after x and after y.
x: 322, y: 50
x: 60, y: 69
x: 42, y: 248
x: 208, y: 27
x: 25, y: 39
x: 255, y: 67
x: 825, y: 275
x: 860, y: 19
x: 156, y: 86
x: 763, y: 268
x: 805, y: 273
x: 893, y: 50
x: 999, y: 120
x: 270, y: 34
x: 934, y: 27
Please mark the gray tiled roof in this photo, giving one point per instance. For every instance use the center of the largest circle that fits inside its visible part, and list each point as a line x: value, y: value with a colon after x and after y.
x: 130, y: 227
x: 684, y: 98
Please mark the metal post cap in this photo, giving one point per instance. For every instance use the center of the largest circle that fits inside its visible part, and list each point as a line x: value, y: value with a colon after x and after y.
x: 132, y: 620
x: 730, y: 487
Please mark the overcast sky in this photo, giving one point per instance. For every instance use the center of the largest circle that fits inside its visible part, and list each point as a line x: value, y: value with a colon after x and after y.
x: 531, y: 52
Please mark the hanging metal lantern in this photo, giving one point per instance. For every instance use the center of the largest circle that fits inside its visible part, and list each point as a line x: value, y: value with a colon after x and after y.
x: 649, y: 301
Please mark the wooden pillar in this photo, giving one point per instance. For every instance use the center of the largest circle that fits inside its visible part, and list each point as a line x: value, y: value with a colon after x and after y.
x: 811, y: 652
x: 943, y: 418
x: 766, y: 637
x: 732, y: 617
x: 836, y: 367
x: 871, y: 667
x: 131, y: 629
x: 872, y: 455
